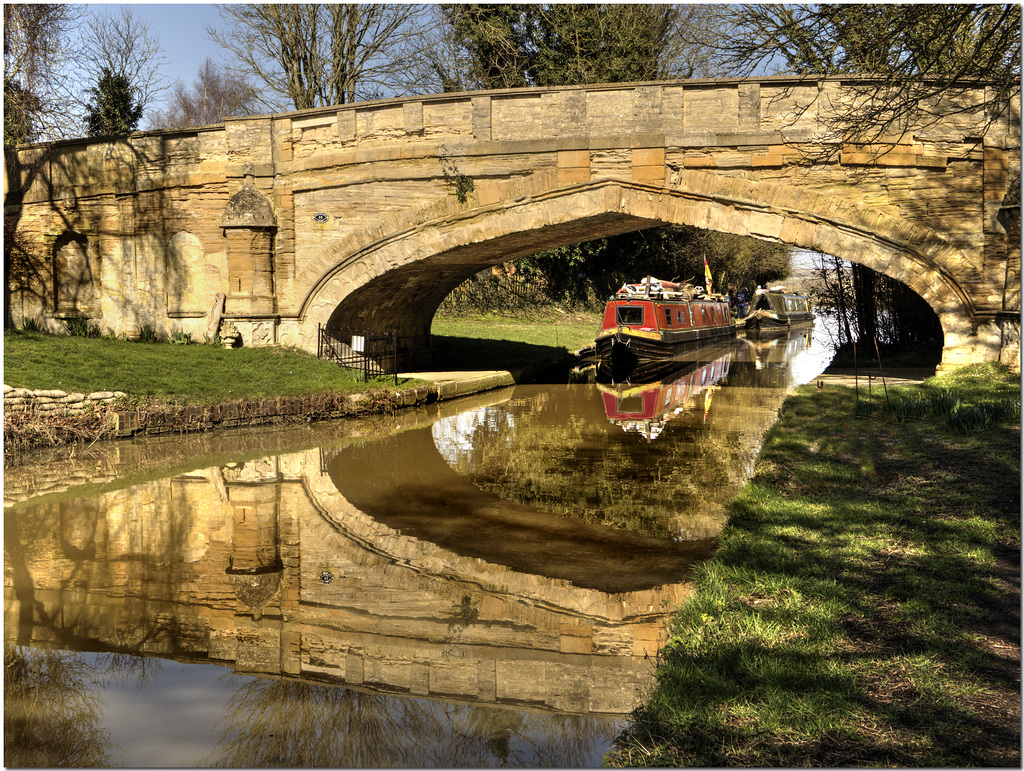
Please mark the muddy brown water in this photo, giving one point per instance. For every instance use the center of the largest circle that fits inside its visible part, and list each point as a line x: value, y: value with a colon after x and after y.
x: 483, y: 583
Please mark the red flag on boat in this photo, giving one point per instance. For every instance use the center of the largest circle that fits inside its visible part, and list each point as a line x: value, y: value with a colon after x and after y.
x: 707, y: 275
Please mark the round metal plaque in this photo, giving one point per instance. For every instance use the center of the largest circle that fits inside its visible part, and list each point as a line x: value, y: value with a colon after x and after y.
x: 320, y: 217
x: 326, y: 578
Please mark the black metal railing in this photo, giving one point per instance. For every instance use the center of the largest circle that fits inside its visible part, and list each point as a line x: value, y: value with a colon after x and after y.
x: 372, y: 353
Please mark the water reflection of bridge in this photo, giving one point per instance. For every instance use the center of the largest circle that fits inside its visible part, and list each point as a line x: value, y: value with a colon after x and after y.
x: 272, y: 565
x: 264, y: 565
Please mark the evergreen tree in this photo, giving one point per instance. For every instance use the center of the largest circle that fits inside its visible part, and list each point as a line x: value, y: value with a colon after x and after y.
x: 592, y: 43
x: 115, y: 40
x: 499, y: 41
x: 114, y: 108
x: 557, y: 44
x: 20, y: 108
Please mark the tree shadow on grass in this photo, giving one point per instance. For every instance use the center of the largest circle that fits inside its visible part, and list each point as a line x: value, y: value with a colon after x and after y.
x: 548, y: 363
x: 863, y: 607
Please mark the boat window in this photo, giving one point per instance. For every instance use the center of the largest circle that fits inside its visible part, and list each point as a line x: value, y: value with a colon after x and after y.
x: 629, y: 314
x: 631, y: 404
x: 668, y: 317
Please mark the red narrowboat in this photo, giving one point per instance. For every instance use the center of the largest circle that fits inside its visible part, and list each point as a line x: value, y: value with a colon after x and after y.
x: 655, y: 320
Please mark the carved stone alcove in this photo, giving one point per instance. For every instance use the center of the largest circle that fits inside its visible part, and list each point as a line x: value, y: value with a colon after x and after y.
x: 249, y: 228
x: 74, y: 277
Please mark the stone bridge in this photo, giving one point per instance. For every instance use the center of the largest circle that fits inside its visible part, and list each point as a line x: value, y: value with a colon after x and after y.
x: 368, y: 215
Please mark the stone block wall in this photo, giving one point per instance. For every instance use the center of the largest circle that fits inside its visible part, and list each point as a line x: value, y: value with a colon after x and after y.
x: 132, y: 232
x: 46, y: 402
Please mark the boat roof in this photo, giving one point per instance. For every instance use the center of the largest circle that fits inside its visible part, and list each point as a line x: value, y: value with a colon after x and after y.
x: 637, y: 292
x: 782, y: 291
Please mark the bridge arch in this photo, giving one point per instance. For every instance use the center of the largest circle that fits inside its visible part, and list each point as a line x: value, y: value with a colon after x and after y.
x: 356, y: 201
x: 396, y: 276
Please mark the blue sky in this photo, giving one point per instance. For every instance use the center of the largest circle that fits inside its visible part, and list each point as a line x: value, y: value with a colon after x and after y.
x: 181, y: 30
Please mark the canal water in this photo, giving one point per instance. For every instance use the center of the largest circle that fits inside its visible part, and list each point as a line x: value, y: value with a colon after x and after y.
x: 482, y: 583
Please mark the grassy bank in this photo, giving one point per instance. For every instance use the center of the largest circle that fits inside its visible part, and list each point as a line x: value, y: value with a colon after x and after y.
x: 486, y: 341
x: 863, y: 608
x: 193, y: 374
x: 158, y: 377
x: 205, y: 374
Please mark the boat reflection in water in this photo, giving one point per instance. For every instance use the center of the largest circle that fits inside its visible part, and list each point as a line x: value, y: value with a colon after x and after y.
x: 780, y: 351
x: 645, y: 407
x: 785, y: 360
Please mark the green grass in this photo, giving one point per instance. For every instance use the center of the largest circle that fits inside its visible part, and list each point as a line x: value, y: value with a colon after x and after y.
x: 195, y: 374
x: 484, y: 341
x: 863, y: 607
x: 205, y: 374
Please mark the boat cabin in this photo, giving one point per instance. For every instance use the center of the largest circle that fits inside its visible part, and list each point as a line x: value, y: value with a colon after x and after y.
x: 651, y: 315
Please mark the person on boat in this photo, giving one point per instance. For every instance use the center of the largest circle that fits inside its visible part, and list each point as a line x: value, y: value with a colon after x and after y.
x: 742, y: 303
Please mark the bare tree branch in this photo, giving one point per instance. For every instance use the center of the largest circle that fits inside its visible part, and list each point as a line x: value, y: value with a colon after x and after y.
x: 38, y: 53
x: 123, y: 44
x: 904, y: 61
x: 213, y: 96
x: 313, y: 55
